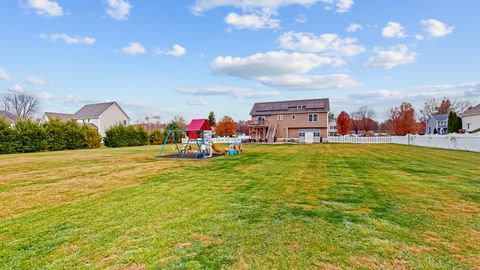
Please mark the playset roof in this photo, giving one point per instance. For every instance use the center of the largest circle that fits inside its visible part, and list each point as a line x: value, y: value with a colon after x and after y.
x: 198, y: 125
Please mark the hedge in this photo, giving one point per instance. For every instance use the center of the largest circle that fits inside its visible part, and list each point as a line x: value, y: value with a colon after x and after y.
x: 29, y: 136
x: 157, y: 137
x: 121, y: 136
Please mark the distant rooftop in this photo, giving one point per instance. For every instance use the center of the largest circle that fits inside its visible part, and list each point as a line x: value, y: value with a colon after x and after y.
x: 304, y: 105
x: 472, y: 111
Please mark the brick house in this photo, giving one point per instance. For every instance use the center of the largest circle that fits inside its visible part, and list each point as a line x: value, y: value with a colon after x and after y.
x: 291, y: 120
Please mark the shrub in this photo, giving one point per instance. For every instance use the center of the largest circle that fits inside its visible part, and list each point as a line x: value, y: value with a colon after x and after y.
x: 8, y: 142
x: 93, y: 138
x: 157, y: 137
x: 121, y: 136
x: 56, y: 137
x: 76, y: 137
x: 30, y: 136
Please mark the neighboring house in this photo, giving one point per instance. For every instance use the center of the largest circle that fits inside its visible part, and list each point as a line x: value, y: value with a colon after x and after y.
x: 9, y: 117
x: 437, y: 122
x: 293, y: 120
x: 471, y: 119
x: 102, y: 116
x: 48, y: 116
x: 332, y: 126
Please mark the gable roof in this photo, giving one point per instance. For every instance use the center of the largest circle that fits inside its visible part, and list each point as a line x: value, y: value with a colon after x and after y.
x: 304, y: 105
x: 472, y: 111
x: 95, y: 110
x: 60, y: 116
x: 199, y: 124
x: 8, y: 116
x: 440, y: 117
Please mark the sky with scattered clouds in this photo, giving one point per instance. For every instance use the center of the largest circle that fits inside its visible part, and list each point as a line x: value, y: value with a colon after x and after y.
x: 189, y: 57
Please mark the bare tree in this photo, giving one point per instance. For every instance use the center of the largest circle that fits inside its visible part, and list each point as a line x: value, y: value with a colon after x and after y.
x: 22, y: 105
x: 444, y: 106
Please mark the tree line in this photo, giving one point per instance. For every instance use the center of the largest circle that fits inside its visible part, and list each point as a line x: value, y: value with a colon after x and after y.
x: 403, y: 119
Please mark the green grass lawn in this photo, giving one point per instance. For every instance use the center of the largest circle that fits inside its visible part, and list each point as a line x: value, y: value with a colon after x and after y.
x: 329, y: 206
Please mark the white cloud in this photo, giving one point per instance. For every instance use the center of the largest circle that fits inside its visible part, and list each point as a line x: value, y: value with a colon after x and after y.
x: 282, y: 69
x: 196, y: 102
x: 15, y: 88
x: 46, y: 8
x: 118, y: 9
x: 33, y: 80
x: 67, y: 39
x: 3, y: 75
x: 227, y: 91
x: 177, y: 51
x: 344, y: 5
x: 393, y: 30
x: 419, y: 37
x: 311, y: 82
x: 267, y: 6
x: 274, y: 63
x: 257, y: 13
x: 302, y: 18
x: 134, y: 48
x: 330, y: 44
x: 353, y: 27
x: 251, y: 21
x: 436, y: 28
x: 392, y: 57
x: 421, y: 93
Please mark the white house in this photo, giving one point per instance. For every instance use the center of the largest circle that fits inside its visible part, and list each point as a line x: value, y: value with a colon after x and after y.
x: 332, y: 126
x: 102, y: 116
x: 471, y: 119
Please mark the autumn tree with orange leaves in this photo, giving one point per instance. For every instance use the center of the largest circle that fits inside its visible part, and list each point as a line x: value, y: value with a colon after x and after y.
x: 343, y: 123
x: 403, y: 119
x: 226, y: 127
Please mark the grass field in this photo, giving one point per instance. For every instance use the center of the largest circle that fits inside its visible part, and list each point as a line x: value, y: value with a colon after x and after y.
x: 328, y: 206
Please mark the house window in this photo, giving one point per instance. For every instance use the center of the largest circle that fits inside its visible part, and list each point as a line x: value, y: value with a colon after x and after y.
x: 125, y: 122
x: 468, y: 126
x: 313, y: 118
x: 316, y: 134
x: 301, y: 134
x: 293, y: 116
x: 279, y: 117
x: 300, y: 107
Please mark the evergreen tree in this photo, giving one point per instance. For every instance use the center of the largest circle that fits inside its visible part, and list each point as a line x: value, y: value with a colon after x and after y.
x: 211, y: 119
x: 435, y: 131
x: 452, y: 122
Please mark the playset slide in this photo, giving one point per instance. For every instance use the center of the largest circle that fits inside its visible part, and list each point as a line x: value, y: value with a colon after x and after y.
x: 215, y: 148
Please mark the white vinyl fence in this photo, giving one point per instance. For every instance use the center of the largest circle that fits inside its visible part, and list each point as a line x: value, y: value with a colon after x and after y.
x: 465, y: 142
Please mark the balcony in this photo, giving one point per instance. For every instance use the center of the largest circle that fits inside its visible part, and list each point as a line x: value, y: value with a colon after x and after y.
x: 258, y: 123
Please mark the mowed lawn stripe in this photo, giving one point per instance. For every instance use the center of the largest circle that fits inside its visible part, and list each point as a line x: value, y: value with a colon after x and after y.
x: 283, y: 206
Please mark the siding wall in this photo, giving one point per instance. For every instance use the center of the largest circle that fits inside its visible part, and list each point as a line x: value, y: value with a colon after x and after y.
x: 288, y: 127
x: 113, y: 116
x: 474, y: 121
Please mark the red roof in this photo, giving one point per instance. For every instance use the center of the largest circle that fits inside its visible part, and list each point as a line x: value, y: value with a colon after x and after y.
x: 198, y: 125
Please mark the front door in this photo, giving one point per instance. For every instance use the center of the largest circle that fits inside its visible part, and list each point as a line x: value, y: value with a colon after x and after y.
x: 308, y: 137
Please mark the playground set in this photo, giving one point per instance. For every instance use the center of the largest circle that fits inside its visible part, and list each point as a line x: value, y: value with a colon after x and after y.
x: 198, y: 143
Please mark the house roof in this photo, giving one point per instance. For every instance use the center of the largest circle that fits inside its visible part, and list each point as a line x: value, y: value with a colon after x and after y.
x: 60, y: 116
x: 198, y: 125
x: 95, y: 110
x: 472, y: 111
x: 440, y: 117
x: 305, y: 105
x: 8, y: 116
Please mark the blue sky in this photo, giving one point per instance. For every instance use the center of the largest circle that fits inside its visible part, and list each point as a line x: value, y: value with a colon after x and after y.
x: 189, y: 57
